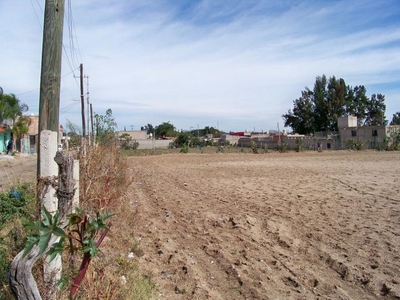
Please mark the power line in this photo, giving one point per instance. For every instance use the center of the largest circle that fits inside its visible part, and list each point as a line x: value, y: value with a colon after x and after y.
x: 70, y: 56
x: 37, y: 17
x: 75, y: 53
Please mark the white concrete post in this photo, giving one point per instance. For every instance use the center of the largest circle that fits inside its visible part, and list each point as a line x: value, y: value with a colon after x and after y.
x: 75, y: 201
x: 49, y: 169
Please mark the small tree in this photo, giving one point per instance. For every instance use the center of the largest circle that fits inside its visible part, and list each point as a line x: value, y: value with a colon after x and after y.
x: 165, y: 129
x: 253, y: 147
x: 20, y: 128
x: 299, y: 143
x: 105, y: 127
x: 11, y: 107
x: 183, y: 138
x: 74, y: 134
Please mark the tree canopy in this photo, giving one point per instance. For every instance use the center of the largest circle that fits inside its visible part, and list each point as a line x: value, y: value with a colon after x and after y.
x: 396, y: 119
x: 319, y: 109
x: 207, y: 130
x: 11, y: 107
x: 148, y: 128
x: 105, y: 127
x: 20, y: 128
x: 165, y: 129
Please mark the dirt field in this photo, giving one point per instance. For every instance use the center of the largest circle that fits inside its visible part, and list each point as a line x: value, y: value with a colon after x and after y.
x: 14, y: 170
x: 273, y: 226
x: 270, y: 226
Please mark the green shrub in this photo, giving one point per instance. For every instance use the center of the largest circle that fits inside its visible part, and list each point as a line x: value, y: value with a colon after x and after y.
x: 354, y: 145
x: 265, y: 148
x: 285, y: 147
x: 254, y: 147
x: 17, y: 206
x: 184, y: 149
x: 299, y: 144
x: 13, y: 203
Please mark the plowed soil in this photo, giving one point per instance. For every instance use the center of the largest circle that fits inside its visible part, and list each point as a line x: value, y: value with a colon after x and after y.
x: 303, y: 225
x: 270, y: 226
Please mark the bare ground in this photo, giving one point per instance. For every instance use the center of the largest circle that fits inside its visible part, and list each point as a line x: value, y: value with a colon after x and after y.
x: 273, y: 226
x: 16, y: 169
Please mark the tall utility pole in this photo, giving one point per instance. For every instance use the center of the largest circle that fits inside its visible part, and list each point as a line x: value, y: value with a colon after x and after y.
x: 82, y: 150
x: 82, y: 103
x: 49, y: 99
x: 88, y: 110
x: 91, y: 123
x: 49, y: 112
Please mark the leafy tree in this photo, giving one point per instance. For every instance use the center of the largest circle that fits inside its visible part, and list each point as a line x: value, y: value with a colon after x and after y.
x: 320, y: 104
x: 183, y: 138
x: 127, y: 143
x: 165, y: 129
x: 11, y: 107
x: 356, y: 102
x: 211, y: 130
x: 375, y: 114
x: 105, y: 127
x: 206, y: 130
x: 148, y: 128
x: 301, y: 119
x: 74, y: 133
x: 336, y: 100
x: 396, y: 119
x: 319, y: 109
x: 186, y: 138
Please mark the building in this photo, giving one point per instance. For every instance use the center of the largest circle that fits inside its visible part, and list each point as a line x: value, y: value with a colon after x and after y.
x: 368, y: 137
x: 5, y: 136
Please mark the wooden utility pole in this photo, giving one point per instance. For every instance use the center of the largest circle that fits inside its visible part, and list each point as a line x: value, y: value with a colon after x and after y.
x: 91, y: 123
x: 82, y: 102
x: 88, y: 110
x: 49, y: 113
x: 49, y: 99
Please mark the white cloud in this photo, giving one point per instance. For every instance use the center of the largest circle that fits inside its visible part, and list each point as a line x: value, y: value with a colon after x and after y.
x: 239, y: 64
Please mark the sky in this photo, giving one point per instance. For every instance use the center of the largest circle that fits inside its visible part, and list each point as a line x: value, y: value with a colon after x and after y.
x: 232, y: 64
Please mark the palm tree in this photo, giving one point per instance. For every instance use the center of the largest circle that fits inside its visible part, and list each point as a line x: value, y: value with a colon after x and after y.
x: 20, y: 128
x: 11, y: 107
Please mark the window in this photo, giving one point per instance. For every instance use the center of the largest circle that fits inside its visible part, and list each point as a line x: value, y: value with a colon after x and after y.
x: 353, y: 133
x: 328, y: 145
x: 374, y: 132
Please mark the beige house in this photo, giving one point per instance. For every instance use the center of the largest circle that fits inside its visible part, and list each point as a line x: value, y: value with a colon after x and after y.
x: 371, y: 136
x: 29, y: 141
x: 135, y: 134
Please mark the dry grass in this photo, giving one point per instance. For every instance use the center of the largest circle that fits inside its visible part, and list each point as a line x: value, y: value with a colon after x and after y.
x: 103, y: 188
x: 102, y: 179
x: 111, y: 274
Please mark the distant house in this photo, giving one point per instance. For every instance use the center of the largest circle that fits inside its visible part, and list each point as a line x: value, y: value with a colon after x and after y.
x: 5, y: 136
x: 370, y: 136
x: 31, y: 140
x: 144, y: 140
x: 134, y: 134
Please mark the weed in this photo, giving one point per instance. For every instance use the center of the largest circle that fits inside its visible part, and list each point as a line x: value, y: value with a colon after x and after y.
x: 265, y: 148
x: 184, y: 149
x: 354, y: 145
x: 254, y: 147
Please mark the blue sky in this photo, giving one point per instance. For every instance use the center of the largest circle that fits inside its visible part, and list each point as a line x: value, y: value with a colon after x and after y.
x: 235, y: 64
